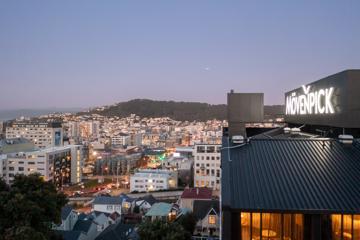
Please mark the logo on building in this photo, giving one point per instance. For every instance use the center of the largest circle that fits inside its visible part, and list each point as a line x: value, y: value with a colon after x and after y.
x: 310, y: 102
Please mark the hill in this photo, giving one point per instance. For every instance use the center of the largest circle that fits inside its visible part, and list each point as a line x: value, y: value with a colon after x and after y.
x: 182, y: 111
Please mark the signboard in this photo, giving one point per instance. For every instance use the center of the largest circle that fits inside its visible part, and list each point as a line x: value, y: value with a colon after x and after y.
x: 332, y: 101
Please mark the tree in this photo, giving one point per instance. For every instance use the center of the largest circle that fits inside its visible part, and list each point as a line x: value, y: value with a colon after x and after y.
x: 160, y: 230
x: 188, y: 222
x: 29, y: 207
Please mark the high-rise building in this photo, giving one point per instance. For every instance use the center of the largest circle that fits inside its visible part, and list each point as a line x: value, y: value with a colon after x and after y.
x: 207, y: 166
x: 43, y: 135
x: 61, y: 165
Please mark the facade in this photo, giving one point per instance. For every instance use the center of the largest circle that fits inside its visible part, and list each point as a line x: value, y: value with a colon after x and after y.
x: 43, y: 135
x: 61, y: 165
x: 119, y: 204
x: 147, y: 180
x: 207, y: 166
x: 121, y: 139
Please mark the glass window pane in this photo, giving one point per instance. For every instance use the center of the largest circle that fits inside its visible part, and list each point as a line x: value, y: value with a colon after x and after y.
x: 298, y: 227
x: 245, y: 226
x: 255, y: 226
x: 271, y: 226
x: 287, y: 226
x: 347, y: 228
x: 356, y: 227
x: 336, y: 226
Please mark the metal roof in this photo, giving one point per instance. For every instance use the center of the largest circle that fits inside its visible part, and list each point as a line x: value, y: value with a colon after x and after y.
x: 302, y: 175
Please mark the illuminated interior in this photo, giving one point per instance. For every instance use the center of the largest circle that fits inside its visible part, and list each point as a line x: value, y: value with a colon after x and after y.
x: 346, y: 227
x: 267, y: 226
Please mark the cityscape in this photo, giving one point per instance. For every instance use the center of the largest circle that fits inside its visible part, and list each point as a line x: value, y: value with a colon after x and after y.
x: 102, y: 137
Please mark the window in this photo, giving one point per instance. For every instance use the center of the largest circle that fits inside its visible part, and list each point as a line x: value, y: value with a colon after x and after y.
x: 20, y: 169
x: 345, y: 227
x: 109, y: 207
x: 212, y: 219
x: 11, y: 168
x: 271, y: 226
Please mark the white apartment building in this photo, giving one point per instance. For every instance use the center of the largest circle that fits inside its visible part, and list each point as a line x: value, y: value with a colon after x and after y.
x: 62, y: 165
x: 43, y: 135
x: 147, y: 180
x: 207, y: 166
x: 121, y: 139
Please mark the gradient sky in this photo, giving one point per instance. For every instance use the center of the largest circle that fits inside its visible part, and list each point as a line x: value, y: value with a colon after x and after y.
x: 91, y: 53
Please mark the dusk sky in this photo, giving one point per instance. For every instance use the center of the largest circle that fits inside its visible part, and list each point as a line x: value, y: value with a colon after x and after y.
x: 92, y: 53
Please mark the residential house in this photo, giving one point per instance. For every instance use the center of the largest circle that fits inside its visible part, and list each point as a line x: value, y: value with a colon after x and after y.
x: 163, y: 211
x: 88, y: 227
x: 68, y: 219
x: 208, y: 217
x: 105, y: 204
x: 191, y: 194
x: 143, y: 204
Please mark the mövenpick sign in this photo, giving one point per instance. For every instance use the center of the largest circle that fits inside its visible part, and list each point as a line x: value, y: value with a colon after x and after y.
x: 315, y: 102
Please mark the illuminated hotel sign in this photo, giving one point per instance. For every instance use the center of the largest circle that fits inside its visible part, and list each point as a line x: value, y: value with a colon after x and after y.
x: 310, y: 101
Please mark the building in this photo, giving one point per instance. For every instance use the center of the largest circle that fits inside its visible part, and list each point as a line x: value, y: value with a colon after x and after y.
x: 119, y: 204
x: 194, y: 194
x: 146, y: 180
x: 207, y: 213
x: 69, y: 218
x: 207, y: 166
x: 163, y: 211
x: 299, y: 181
x: 61, y: 165
x: 121, y: 139
x: 183, y: 166
x: 43, y: 135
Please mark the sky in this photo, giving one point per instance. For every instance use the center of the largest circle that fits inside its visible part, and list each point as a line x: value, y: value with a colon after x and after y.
x: 92, y: 53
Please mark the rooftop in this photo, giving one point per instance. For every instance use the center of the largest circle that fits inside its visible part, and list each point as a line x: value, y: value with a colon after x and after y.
x: 197, y: 193
x: 303, y: 175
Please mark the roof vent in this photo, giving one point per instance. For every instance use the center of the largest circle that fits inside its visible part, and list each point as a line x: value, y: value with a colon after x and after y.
x: 287, y: 130
x: 238, y: 139
x: 295, y: 131
x: 346, y: 139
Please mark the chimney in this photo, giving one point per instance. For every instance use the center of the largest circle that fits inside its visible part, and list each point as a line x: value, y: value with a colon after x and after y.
x: 197, y: 191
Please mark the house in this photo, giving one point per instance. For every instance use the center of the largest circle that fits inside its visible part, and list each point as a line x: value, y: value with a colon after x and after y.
x: 191, y: 194
x: 105, y: 204
x: 119, y: 231
x: 88, y: 227
x: 143, y: 203
x: 101, y: 220
x: 163, y: 211
x: 68, y: 218
x: 207, y: 214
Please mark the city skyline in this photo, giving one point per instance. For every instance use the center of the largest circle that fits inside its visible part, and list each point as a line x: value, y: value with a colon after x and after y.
x: 92, y: 54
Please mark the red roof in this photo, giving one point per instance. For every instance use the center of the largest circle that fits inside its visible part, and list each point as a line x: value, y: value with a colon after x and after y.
x: 197, y: 193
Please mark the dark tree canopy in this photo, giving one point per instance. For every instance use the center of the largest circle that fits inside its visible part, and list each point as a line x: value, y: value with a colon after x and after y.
x: 28, y: 208
x: 188, y: 222
x: 160, y: 230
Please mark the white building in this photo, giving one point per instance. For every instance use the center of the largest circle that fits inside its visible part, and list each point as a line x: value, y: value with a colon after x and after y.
x: 43, y: 135
x: 62, y: 165
x: 207, y: 166
x: 121, y: 139
x: 147, y: 180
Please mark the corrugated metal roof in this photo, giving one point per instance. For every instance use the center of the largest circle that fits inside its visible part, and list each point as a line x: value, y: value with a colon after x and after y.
x: 307, y: 175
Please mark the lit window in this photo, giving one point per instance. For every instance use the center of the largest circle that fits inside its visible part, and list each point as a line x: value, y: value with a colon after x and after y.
x: 212, y: 219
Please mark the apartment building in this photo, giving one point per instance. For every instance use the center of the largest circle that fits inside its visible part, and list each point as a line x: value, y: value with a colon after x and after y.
x: 120, y: 139
x: 43, y: 135
x: 61, y: 165
x: 207, y: 166
x: 147, y: 180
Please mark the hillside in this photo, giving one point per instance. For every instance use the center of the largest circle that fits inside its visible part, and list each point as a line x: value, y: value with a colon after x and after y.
x: 181, y: 111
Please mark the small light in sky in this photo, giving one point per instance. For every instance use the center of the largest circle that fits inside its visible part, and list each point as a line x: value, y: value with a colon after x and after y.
x: 207, y: 69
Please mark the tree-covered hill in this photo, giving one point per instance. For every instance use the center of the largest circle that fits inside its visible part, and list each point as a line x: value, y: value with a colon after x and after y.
x: 181, y: 111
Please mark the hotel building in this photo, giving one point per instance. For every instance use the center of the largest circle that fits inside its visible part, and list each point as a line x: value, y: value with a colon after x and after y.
x: 301, y: 181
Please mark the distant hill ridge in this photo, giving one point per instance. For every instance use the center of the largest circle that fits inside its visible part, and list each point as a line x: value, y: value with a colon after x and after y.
x: 182, y: 111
